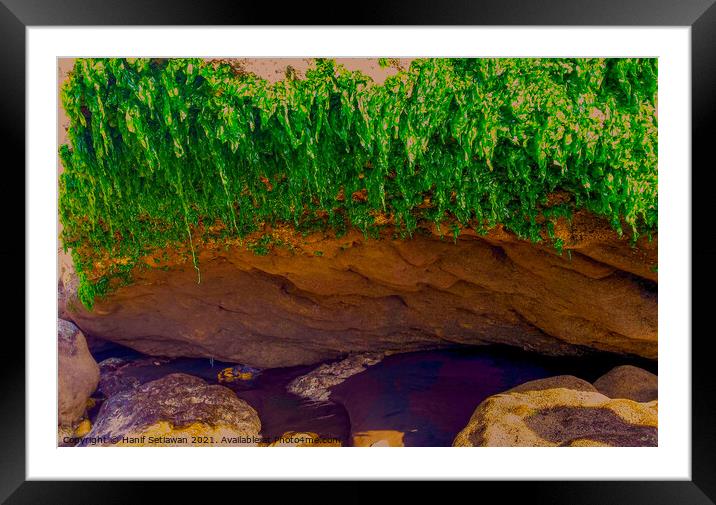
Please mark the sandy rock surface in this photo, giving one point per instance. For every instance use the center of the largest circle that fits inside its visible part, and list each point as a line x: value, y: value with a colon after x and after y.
x: 563, y: 411
x: 560, y: 417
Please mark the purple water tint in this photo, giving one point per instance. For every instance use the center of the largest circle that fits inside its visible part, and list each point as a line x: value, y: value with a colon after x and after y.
x: 427, y: 395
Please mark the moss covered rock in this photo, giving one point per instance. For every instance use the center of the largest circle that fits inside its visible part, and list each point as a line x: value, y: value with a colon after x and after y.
x: 176, y: 151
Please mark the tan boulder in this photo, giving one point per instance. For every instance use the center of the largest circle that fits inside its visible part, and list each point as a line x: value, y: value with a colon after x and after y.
x: 629, y: 382
x: 78, y: 373
x: 558, y: 381
x: 560, y: 417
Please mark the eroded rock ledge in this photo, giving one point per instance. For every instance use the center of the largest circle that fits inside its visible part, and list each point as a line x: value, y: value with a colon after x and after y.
x: 329, y: 296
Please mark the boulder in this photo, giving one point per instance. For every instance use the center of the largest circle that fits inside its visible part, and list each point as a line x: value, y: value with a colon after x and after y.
x: 326, y: 296
x: 316, y: 384
x: 118, y: 374
x: 560, y: 417
x: 629, y: 382
x: 111, y: 378
x: 558, y: 381
x: 78, y: 373
x: 176, y: 410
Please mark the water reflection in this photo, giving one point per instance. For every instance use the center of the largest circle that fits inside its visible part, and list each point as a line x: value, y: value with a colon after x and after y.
x: 411, y: 399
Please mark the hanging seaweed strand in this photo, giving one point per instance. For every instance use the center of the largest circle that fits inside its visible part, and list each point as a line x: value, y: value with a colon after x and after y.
x: 162, y: 152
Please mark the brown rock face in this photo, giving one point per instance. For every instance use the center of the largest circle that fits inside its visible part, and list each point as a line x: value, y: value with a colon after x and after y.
x: 78, y: 373
x: 331, y: 296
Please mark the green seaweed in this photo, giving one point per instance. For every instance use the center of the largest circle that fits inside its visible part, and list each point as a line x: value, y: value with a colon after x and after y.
x: 161, y: 149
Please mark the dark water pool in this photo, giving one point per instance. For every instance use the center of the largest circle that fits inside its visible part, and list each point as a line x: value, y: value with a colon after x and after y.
x: 415, y: 399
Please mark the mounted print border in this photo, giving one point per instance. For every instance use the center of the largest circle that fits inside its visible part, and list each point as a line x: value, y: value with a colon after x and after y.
x: 701, y: 16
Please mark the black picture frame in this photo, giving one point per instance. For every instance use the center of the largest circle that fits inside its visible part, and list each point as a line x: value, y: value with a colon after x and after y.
x: 700, y: 15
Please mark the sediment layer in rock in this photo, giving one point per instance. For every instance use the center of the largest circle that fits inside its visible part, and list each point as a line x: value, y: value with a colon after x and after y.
x: 325, y: 297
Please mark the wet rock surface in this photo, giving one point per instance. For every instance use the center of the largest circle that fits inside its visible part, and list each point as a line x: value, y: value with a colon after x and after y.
x: 316, y: 384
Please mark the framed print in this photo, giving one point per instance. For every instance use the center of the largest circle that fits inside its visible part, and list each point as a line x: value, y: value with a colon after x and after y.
x: 433, y: 234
